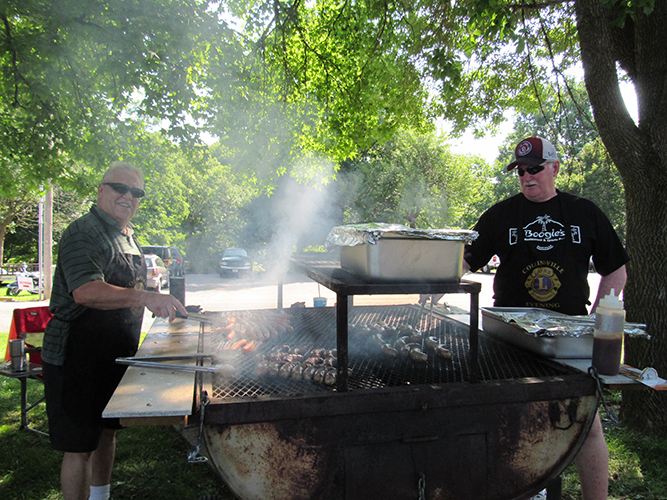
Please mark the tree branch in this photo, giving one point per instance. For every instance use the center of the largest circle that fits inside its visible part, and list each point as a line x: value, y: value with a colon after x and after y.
x: 10, y: 44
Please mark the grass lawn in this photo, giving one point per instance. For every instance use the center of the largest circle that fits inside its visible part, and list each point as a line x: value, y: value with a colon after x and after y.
x: 151, y: 462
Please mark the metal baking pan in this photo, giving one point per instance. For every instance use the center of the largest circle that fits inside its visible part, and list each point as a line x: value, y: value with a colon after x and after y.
x: 552, y: 346
x: 405, y: 259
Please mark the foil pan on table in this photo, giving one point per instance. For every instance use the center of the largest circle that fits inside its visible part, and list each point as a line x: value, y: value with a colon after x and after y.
x: 393, y: 252
x: 371, y: 232
x: 545, y: 323
x: 547, y: 333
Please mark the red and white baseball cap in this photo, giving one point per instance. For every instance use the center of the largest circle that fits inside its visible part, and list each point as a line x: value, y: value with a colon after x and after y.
x: 533, y: 151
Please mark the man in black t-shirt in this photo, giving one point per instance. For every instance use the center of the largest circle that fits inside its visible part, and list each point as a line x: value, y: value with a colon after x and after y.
x: 545, y: 248
x: 545, y: 240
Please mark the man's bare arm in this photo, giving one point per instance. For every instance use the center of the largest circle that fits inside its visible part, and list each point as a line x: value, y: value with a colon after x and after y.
x: 615, y: 280
x: 101, y: 295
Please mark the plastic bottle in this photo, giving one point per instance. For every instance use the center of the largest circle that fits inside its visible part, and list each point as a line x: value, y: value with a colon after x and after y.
x: 608, y: 334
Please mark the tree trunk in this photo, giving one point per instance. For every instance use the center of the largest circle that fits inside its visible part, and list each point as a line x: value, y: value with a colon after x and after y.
x: 640, y: 154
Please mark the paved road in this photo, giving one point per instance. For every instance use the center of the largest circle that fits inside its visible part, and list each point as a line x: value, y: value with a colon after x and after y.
x: 213, y: 293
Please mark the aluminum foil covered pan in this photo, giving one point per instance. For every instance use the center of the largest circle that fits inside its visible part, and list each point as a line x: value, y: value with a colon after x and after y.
x: 547, y: 333
x: 371, y: 232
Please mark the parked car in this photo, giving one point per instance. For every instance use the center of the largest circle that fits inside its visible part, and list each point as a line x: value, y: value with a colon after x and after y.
x: 172, y: 257
x: 157, y: 272
x: 235, y: 261
x: 492, y: 264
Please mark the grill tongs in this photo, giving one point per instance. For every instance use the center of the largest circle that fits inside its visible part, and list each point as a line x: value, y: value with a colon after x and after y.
x: 429, y: 319
x: 222, y: 363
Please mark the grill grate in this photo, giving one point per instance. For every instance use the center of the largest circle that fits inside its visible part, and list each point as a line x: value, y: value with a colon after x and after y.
x: 316, y: 328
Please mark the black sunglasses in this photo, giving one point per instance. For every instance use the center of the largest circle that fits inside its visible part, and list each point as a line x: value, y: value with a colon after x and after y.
x: 121, y: 188
x: 531, y: 170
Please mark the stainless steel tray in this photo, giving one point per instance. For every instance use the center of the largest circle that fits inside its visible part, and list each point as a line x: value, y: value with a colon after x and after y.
x: 554, y: 346
x: 405, y: 259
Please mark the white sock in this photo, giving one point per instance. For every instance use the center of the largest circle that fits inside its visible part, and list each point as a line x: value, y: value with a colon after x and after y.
x: 99, y: 492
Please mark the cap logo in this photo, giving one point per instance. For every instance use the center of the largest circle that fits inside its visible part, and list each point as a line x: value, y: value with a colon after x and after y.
x: 524, y: 148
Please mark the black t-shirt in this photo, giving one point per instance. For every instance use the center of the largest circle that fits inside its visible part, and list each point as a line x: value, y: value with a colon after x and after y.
x: 544, y: 251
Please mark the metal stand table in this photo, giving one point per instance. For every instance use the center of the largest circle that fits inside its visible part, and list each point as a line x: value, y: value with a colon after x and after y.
x: 34, y: 372
x: 346, y: 285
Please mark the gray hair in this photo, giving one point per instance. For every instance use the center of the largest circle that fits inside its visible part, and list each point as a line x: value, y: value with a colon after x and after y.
x: 122, y: 166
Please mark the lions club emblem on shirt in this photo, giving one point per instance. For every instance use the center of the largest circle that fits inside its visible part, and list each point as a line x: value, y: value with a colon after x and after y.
x: 542, y: 284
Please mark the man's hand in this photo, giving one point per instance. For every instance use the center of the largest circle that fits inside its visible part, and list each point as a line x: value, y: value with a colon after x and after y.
x: 164, y: 306
x: 101, y: 295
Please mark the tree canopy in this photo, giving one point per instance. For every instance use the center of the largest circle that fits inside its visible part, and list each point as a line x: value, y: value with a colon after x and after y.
x: 288, y: 86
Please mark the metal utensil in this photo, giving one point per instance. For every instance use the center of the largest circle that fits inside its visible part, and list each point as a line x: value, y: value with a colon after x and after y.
x: 167, y: 366
x: 429, y: 318
x: 203, y: 317
x: 417, y: 320
x: 159, y: 362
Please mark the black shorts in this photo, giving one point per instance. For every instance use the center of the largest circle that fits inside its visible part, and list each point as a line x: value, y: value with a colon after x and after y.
x: 73, y: 427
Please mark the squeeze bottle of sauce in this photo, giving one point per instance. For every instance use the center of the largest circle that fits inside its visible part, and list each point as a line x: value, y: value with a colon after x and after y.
x: 608, y: 334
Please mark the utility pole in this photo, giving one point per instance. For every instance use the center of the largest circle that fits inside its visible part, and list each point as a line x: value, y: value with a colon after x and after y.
x: 45, y: 250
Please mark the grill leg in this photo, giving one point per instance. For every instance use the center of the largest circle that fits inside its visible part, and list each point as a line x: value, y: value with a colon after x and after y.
x: 554, y: 488
x: 342, y: 313
x: 474, y: 336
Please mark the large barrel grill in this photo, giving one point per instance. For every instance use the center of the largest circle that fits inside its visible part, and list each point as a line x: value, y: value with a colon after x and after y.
x: 469, y: 418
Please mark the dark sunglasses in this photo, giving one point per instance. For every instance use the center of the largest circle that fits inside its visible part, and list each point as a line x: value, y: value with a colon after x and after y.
x: 121, y: 188
x: 531, y: 170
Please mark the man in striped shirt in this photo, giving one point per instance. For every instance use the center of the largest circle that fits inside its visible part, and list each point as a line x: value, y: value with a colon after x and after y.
x: 98, y: 300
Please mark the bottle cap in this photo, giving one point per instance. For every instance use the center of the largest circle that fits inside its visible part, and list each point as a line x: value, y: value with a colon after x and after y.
x: 611, y: 301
